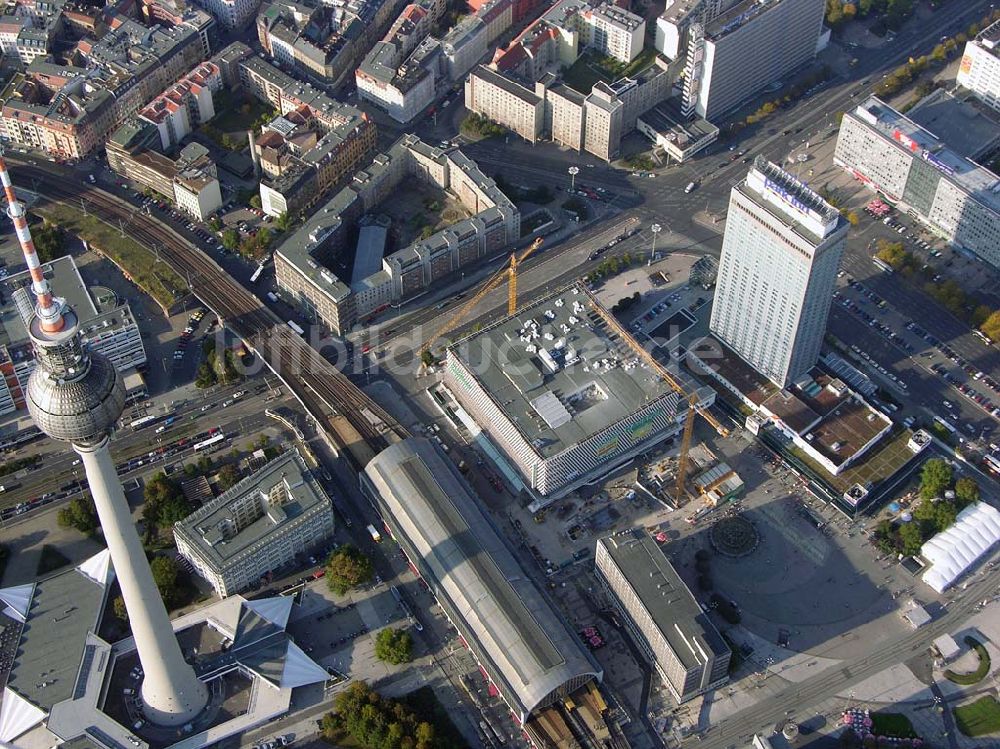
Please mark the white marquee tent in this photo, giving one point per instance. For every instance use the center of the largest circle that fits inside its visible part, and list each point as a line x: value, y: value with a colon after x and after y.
x: 953, y: 551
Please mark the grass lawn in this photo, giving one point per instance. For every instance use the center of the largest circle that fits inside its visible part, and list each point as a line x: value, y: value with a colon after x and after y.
x: 590, y: 68
x: 979, y: 718
x: 236, y: 116
x: 156, y: 279
x: 584, y: 73
x: 893, y: 724
x: 981, y: 670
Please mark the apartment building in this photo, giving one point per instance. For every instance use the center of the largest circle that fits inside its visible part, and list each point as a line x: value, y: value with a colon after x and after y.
x: 69, y: 111
x: 663, y: 617
x: 348, y: 137
x: 258, y: 526
x: 595, y: 122
x: 979, y: 70
x: 954, y: 197
x: 614, y: 31
x: 232, y: 15
x: 780, y: 255
x: 184, y: 106
x: 400, y: 72
x: 503, y: 100
x: 190, y: 180
x: 741, y: 51
x: 300, y: 262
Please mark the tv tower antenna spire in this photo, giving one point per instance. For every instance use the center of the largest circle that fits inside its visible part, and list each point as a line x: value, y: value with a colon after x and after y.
x: 76, y: 395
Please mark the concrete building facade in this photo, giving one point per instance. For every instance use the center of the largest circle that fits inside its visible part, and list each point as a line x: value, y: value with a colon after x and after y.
x: 665, y: 620
x: 952, y: 196
x: 979, y: 70
x: 780, y: 256
x: 257, y: 526
x: 746, y: 48
x: 558, y: 411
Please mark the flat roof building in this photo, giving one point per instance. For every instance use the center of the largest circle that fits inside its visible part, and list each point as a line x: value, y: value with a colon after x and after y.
x: 752, y: 44
x: 256, y: 526
x: 955, y: 197
x: 665, y: 620
x: 780, y: 256
x: 979, y: 70
x: 562, y: 396
x: 680, y: 137
x: 300, y: 262
x: 106, y: 324
x: 522, y: 644
x: 68, y: 686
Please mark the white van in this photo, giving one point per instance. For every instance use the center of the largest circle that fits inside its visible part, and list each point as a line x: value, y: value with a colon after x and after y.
x: 690, y: 187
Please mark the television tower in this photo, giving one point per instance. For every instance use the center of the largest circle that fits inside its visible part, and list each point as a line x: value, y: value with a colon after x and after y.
x: 76, y: 395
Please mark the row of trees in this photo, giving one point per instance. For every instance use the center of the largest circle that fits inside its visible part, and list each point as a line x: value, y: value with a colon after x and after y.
x: 18, y: 464
x: 892, y: 12
x: 790, y: 96
x: 611, y: 266
x: 948, y: 293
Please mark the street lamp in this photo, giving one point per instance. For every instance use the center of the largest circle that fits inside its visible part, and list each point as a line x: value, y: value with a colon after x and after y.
x: 655, y: 228
x: 573, y: 171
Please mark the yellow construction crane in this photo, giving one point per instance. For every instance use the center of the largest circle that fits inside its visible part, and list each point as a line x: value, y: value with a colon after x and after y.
x: 692, y: 398
x: 508, y: 272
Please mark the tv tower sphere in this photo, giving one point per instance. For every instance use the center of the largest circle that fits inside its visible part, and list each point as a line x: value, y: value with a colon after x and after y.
x: 76, y: 395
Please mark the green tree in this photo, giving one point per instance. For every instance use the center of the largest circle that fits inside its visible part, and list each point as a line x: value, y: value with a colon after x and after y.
x: 911, y: 538
x: 80, y: 514
x: 852, y: 218
x: 215, y: 224
x: 348, y: 568
x: 966, y: 491
x: 283, y: 222
x: 228, y: 476
x: 166, y: 575
x: 427, y: 358
x: 165, y: 503
x: 205, y: 376
x: 50, y: 241
x: 118, y: 606
x: 991, y: 326
x: 231, y: 239
x: 255, y: 202
x: 394, y: 646
x: 935, y: 477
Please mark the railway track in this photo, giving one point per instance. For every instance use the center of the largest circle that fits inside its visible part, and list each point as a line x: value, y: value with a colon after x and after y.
x: 355, y: 420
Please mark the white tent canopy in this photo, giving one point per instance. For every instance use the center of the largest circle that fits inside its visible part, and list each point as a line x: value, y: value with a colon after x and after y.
x: 953, y: 551
x: 18, y: 600
x: 17, y: 715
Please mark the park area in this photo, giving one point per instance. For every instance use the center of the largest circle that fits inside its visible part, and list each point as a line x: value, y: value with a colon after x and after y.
x: 979, y: 718
x: 138, y: 263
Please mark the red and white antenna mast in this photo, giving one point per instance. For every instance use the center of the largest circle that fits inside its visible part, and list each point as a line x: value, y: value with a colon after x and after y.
x: 48, y: 308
